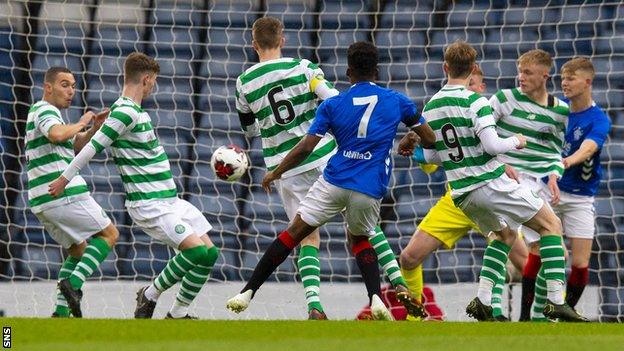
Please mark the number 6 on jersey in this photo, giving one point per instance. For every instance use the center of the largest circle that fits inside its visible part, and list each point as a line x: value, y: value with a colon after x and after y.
x: 371, y: 101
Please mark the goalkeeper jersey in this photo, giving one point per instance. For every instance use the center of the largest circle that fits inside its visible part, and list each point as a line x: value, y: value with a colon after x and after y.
x: 280, y: 94
x: 457, y: 116
x: 141, y: 160
x: 45, y: 161
x: 543, y: 126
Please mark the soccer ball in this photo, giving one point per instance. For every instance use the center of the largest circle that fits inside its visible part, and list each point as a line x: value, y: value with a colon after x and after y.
x: 229, y: 162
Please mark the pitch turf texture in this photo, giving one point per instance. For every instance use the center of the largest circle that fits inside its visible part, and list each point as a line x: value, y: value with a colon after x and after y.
x: 147, y: 335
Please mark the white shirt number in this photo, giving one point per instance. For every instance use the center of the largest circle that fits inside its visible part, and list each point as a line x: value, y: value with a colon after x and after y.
x: 370, y: 101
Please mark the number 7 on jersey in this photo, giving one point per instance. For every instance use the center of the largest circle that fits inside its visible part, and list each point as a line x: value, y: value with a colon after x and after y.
x: 370, y: 101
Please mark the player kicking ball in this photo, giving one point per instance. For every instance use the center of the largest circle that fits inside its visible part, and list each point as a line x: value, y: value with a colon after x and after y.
x: 364, y: 122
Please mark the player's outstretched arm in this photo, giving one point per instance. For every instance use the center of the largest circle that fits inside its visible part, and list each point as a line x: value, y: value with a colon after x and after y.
x: 111, y: 129
x: 299, y: 153
x: 585, y: 151
x: 494, y: 145
x: 60, y: 133
x: 83, y: 138
x: 426, y: 134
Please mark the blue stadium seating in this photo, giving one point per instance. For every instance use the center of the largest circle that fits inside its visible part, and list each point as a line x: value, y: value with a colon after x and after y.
x: 181, y: 14
x: 174, y: 39
x: 61, y: 39
x: 117, y: 40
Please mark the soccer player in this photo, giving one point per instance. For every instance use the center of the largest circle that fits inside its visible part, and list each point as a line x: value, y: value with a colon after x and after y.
x: 151, y: 195
x: 467, y: 145
x: 73, y: 216
x: 588, y: 127
x: 542, y: 118
x: 364, y: 122
x: 444, y: 225
x: 277, y: 99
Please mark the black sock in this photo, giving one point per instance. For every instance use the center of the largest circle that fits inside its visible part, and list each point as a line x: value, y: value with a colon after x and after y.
x: 272, y: 258
x: 573, y: 294
x: 528, y: 294
x: 369, y: 267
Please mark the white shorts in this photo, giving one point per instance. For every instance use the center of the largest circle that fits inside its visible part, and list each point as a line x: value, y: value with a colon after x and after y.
x: 325, y: 200
x: 293, y: 189
x: 500, y: 203
x: 577, y: 215
x: 537, y: 186
x: 170, y: 221
x: 75, y: 222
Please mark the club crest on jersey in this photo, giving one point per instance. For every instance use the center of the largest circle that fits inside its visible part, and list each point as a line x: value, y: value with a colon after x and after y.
x: 578, y: 133
x: 179, y: 229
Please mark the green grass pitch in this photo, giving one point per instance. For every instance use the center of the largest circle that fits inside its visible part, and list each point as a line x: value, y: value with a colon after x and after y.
x: 147, y: 335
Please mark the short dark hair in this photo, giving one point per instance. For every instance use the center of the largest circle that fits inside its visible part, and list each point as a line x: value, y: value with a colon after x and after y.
x: 460, y: 58
x: 52, y: 72
x: 362, y: 58
x: 137, y: 64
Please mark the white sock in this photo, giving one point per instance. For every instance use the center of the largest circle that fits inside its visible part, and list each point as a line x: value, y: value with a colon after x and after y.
x: 485, y: 291
x: 178, y: 310
x: 554, y: 291
x: 152, y: 293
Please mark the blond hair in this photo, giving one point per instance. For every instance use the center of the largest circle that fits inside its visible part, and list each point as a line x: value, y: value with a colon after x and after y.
x: 267, y: 32
x: 460, y: 58
x: 138, y: 64
x: 578, y: 64
x: 536, y: 56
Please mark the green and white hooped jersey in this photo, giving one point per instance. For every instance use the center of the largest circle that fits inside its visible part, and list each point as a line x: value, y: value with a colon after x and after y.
x: 543, y: 126
x: 141, y: 160
x: 46, y: 161
x: 457, y: 116
x: 280, y: 93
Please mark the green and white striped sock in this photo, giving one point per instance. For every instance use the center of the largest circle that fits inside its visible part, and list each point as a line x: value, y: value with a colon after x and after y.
x: 497, y: 297
x: 493, y: 270
x: 310, y: 272
x: 540, y: 298
x: 553, y: 262
x: 94, y: 254
x: 387, y: 259
x: 192, y: 282
x: 178, y: 266
x: 61, y: 309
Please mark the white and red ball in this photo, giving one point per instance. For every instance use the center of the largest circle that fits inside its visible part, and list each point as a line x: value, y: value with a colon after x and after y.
x: 229, y: 162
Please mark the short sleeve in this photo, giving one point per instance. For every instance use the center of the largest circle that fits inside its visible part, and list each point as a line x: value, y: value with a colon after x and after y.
x: 321, y: 123
x: 45, y: 120
x: 241, y: 103
x: 409, y: 114
x: 600, y: 130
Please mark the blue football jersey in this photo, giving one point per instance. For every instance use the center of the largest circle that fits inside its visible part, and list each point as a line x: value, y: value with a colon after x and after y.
x: 584, y: 178
x: 364, y: 121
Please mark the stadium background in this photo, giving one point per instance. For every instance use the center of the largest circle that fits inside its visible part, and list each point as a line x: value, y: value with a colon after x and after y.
x: 202, y: 46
